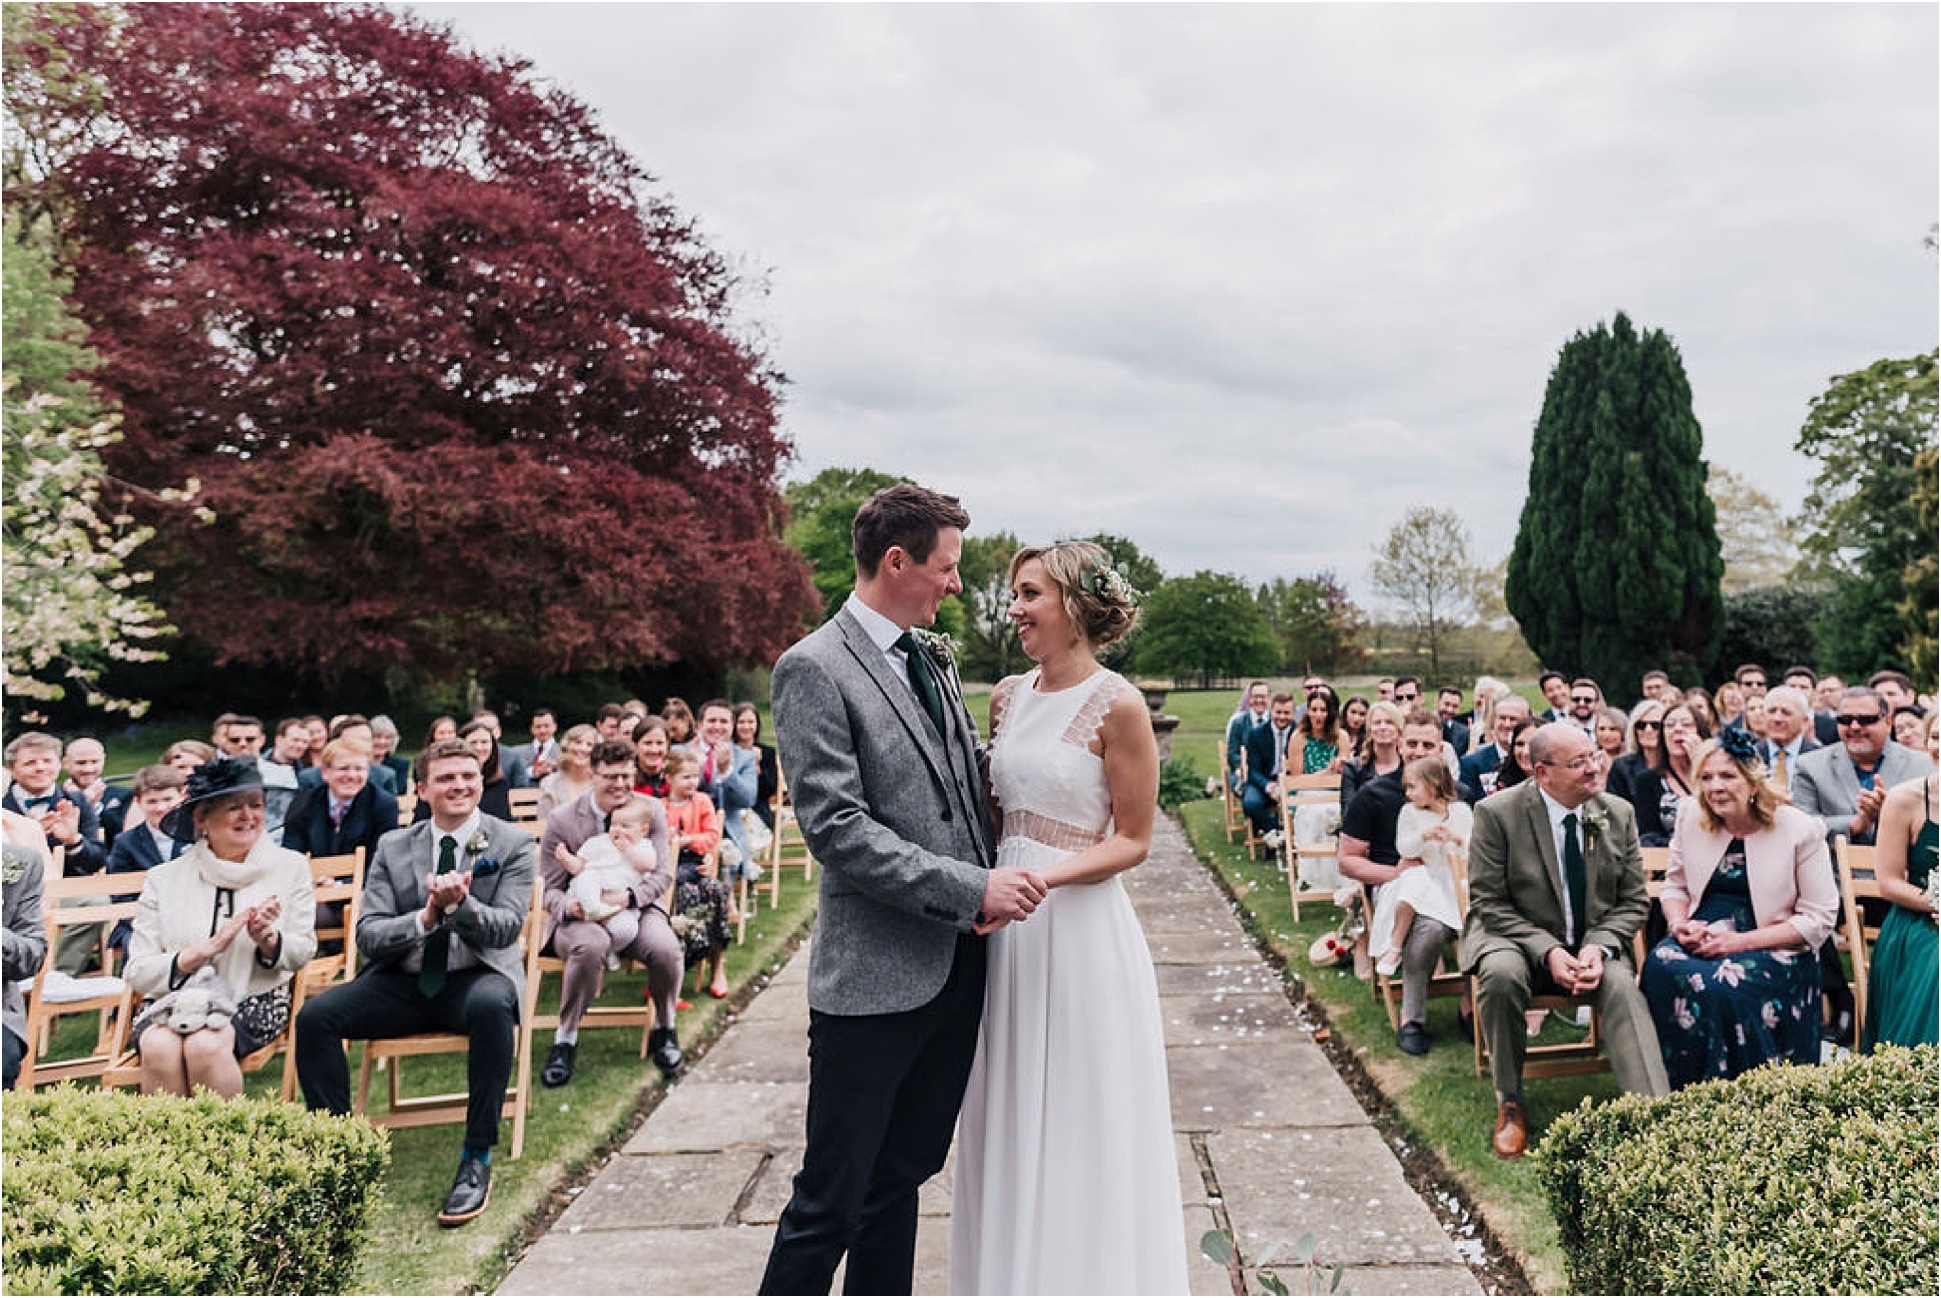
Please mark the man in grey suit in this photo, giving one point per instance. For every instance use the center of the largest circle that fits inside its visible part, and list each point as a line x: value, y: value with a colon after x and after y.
x: 438, y: 928
x: 24, y: 936
x: 882, y: 759
x: 526, y: 765
x: 1556, y: 890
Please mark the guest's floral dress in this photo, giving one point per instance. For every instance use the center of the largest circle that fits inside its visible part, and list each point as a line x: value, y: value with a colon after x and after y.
x: 1722, y: 1017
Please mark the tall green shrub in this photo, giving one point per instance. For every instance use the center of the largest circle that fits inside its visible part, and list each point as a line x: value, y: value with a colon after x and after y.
x: 1616, y: 567
x: 1784, y: 1180
x: 112, y: 1192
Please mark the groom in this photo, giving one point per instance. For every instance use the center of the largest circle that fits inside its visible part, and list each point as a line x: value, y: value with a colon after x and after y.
x: 882, y: 761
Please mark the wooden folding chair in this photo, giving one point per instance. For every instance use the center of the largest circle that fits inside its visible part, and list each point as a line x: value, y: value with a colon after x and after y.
x: 598, y: 1015
x: 1857, y: 884
x: 1236, y: 818
x: 1445, y: 982
x: 524, y: 804
x: 407, y: 807
x: 1559, y: 1058
x: 1298, y: 791
x: 1657, y: 862
x: 437, y: 1110
x: 92, y: 899
x: 786, y: 845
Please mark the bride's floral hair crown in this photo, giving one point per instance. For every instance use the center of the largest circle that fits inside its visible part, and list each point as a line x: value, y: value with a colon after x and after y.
x: 1101, y: 603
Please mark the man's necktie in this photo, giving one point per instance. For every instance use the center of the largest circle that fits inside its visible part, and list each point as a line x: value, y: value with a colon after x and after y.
x: 337, y: 810
x: 1574, y: 877
x: 438, y: 942
x: 41, y: 803
x: 921, y: 680
x: 1779, y: 770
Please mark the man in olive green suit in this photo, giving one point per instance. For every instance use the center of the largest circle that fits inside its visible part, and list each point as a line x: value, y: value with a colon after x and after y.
x: 1556, y: 891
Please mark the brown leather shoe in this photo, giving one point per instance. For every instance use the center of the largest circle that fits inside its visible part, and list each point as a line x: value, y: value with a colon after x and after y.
x: 1510, y: 1135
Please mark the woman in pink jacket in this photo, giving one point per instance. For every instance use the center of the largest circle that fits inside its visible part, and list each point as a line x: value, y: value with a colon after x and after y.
x: 1749, y: 896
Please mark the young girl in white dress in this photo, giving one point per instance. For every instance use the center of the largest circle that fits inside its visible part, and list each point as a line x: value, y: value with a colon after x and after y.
x: 1434, y: 828
x: 1067, y: 1181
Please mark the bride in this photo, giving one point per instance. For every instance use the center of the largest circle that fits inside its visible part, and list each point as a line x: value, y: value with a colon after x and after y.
x: 1066, y: 1176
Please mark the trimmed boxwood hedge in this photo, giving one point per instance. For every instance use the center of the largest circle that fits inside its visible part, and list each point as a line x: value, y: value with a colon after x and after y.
x: 1784, y: 1180
x: 113, y: 1192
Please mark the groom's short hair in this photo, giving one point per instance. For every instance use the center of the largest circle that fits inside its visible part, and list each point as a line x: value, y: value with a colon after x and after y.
x: 903, y: 515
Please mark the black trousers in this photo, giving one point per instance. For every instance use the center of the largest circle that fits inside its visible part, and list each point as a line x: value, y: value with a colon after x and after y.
x: 884, y: 1090
x: 477, y: 1003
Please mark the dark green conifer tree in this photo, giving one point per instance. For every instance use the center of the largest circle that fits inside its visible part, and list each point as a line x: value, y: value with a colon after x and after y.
x: 1616, y: 568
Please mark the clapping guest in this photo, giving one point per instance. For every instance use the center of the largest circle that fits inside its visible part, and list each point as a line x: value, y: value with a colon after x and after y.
x: 528, y: 764
x: 1608, y: 729
x: 1748, y: 897
x: 84, y: 761
x: 66, y: 819
x: 1903, y: 999
x: 729, y: 775
x: 768, y: 772
x: 384, y: 752
x: 574, y: 776
x: 1845, y: 784
x: 235, y: 905
x: 651, y: 750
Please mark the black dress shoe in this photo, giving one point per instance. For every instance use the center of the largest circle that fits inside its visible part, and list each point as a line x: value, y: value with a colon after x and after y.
x: 470, y: 1191
x: 664, y: 1050
x: 1840, y: 1030
x: 1412, y: 1039
x: 1467, y: 1019
x: 559, y: 1065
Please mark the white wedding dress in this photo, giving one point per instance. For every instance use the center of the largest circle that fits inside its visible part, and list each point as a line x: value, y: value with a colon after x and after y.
x: 1067, y: 1181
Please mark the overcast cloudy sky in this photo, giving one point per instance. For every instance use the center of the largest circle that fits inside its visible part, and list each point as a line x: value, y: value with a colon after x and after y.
x: 1246, y: 282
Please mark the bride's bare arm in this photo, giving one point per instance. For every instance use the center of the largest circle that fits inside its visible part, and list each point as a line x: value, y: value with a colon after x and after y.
x: 1132, y: 778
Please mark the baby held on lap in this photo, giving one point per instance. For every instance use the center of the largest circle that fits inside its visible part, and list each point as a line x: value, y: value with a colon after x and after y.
x: 609, y: 863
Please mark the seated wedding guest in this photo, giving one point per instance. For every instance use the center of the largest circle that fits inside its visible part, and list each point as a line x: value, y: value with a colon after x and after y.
x: 1753, y: 719
x: 1455, y: 729
x: 768, y: 772
x: 187, y: 754
x: 584, y: 945
x: 1644, y: 748
x: 1585, y: 700
x: 384, y: 752
x: 84, y: 760
x: 651, y: 749
x: 346, y: 812
x: 1318, y: 734
x: 1479, y: 772
x: 1252, y: 712
x: 700, y: 895
x: 1728, y: 707
x: 1653, y: 684
x: 680, y: 722
x: 1266, y: 748
x: 1556, y: 891
x: 527, y: 764
x: 1748, y: 898
x: 319, y: 731
x: 1555, y: 688
x: 1382, y: 756
x: 238, y: 736
x: 1608, y: 730
x: 631, y: 725
x: 23, y: 944
x: 1699, y: 700
x: 1789, y: 737
x: 1521, y: 765
x: 574, y: 776
x: 1910, y: 723
x: 1844, y: 784
x: 34, y: 790
x: 354, y: 727
x: 728, y: 777
x: 279, y: 769
x: 438, y: 929
x: 1657, y: 792
x: 441, y: 729
x: 494, y: 794
x: 230, y: 917
x: 1354, y: 728
x: 147, y: 843
x: 1896, y: 688
x: 1903, y: 1007
x: 607, y: 721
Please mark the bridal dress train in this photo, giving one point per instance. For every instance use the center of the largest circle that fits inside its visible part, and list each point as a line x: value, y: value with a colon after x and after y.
x: 1067, y: 1182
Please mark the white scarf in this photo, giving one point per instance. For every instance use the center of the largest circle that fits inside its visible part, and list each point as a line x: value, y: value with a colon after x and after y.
x: 233, y: 875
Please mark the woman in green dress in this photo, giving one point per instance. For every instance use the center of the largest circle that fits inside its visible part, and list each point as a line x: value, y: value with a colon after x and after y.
x: 1318, y: 733
x: 1903, y: 1007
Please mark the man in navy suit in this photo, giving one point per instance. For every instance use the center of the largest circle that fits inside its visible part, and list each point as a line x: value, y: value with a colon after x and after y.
x: 527, y: 764
x: 346, y: 811
x: 358, y: 730
x: 1556, y: 688
x: 1455, y: 731
x: 1266, y: 748
x: 1476, y: 779
x: 145, y: 844
x: 68, y: 820
x: 1254, y: 714
x: 84, y: 760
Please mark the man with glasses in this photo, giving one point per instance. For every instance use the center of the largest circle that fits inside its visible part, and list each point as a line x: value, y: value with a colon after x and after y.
x: 1408, y: 692
x: 585, y: 945
x: 1586, y: 701
x: 1242, y: 724
x: 1556, y: 891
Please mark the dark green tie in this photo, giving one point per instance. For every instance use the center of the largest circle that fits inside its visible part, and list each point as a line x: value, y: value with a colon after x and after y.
x: 438, y: 942
x: 1574, y: 876
x: 921, y: 680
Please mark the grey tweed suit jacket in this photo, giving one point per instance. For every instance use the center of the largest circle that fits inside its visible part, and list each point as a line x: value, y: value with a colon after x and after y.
x: 1824, y: 784
x: 894, y: 813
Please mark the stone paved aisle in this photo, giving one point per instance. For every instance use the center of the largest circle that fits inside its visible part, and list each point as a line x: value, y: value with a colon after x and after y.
x: 1266, y: 1129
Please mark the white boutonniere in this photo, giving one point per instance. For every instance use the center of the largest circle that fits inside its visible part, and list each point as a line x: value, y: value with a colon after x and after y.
x: 13, y: 870
x: 940, y: 648
x: 1596, y: 821
x: 479, y: 842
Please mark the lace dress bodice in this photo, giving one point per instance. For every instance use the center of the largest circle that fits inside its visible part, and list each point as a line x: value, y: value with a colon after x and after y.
x: 1050, y: 785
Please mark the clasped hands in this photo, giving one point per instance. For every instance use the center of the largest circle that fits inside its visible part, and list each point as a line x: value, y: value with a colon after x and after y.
x: 259, y: 921
x: 1706, y: 942
x: 442, y: 890
x: 1010, y: 895
x: 1576, y: 974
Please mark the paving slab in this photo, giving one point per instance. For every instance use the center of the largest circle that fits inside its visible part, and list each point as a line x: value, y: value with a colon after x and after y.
x: 689, y: 1205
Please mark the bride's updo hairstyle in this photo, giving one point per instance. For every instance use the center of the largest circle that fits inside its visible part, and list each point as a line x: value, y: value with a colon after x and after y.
x: 1099, y: 600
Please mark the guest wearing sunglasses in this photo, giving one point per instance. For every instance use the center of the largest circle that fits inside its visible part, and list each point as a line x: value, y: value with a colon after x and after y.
x: 1845, y: 783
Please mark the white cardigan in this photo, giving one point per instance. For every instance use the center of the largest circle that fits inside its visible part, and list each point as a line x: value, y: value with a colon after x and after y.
x: 177, y: 910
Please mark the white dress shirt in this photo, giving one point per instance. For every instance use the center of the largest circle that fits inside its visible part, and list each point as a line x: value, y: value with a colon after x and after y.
x: 882, y: 633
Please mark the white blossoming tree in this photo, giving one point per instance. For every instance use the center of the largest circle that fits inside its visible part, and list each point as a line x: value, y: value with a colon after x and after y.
x: 71, y: 598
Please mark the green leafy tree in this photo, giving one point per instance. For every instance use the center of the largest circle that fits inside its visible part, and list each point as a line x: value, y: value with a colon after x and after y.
x: 1616, y: 567
x: 72, y: 597
x: 1918, y: 604
x: 1317, y: 625
x: 1138, y: 567
x: 1206, y: 626
x: 1755, y: 532
x: 990, y: 642
x: 821, y: 512
x: 1861, y: 524
x: 1424, y: 566
x: 1770, y: 624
